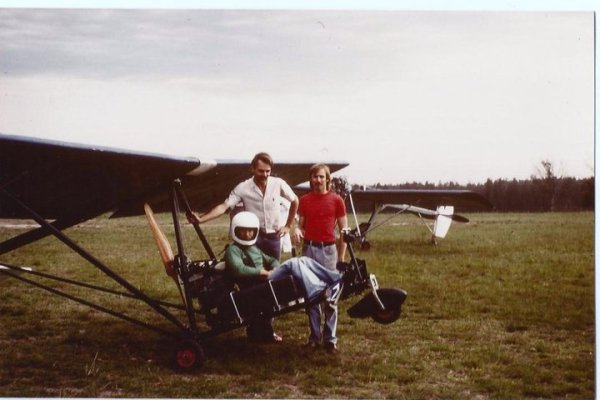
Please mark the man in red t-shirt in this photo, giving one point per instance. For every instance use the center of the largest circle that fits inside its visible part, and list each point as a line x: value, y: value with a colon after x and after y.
x: 319, y: 213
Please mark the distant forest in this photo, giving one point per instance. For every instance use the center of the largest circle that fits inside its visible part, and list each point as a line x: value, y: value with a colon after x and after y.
x: 542, y: 193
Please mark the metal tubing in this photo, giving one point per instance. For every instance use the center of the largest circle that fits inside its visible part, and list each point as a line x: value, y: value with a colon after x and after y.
x: 93, y: 305
x: 181, y: 261
x: 81, y: 284
x: 94, y: 261
x: 188, y: 210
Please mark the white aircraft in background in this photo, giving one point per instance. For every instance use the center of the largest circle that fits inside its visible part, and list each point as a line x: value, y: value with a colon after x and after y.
x: 437, y: 205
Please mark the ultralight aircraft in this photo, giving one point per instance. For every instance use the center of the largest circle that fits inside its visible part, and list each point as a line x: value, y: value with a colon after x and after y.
x: 437, y: 205
x: 60, y: 185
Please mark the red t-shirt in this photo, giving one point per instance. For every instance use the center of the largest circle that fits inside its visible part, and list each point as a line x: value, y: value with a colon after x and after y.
x: 320, y: 212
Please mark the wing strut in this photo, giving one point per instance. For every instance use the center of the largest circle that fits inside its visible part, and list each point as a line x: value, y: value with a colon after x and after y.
x: 188, y: 212
x: 354, y: 214
x: 39, y: 233
x: 92, y: 260
x: 11, y: 270
x: 181, y: 261
x: 87, y: 303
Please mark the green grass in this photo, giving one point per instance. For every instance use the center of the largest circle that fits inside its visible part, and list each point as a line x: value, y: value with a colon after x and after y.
x: 502, y: 308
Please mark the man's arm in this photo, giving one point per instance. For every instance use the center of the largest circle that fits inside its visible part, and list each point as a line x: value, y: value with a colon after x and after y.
x: 290, y: 218
x: 342, y: 223
x: 299, y: 231
x: 217, y: 211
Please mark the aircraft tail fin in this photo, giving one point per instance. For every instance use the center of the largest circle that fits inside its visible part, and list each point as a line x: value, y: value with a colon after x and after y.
x: 443, y: 221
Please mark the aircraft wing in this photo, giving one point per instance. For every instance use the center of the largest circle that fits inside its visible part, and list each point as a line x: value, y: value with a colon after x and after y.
x: 464, y: 199
x: 66, y: 181
x: 72, y: 182
x: 211, y: 183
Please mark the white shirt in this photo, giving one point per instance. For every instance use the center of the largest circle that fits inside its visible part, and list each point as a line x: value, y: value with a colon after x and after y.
x: 267, y: 206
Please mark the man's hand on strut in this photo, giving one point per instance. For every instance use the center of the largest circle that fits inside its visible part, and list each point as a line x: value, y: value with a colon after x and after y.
x: 193, y: 218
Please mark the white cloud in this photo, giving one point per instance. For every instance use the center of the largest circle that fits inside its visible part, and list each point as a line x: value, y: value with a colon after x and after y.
x: 403, y: 96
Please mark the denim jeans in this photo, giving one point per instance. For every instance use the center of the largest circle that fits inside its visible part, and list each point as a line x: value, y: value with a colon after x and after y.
x: 313, y: 276
x: 326, y: 256
x: 269, y: 244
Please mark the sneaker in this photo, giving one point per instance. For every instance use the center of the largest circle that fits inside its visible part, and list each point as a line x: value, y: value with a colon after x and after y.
x: 276, y: 338
x: 331, y: 348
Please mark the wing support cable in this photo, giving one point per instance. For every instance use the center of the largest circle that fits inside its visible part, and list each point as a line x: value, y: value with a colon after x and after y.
x: 378, y: 209
x: 12, y: 268
x: 89, y: 304
x: 138, y: 294
x: 39, y: 233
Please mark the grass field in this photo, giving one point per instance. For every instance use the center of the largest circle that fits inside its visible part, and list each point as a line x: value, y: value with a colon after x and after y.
x: 502, y: 308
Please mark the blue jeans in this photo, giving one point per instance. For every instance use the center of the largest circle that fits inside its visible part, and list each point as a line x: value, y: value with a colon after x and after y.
x: 326, y: 256
x: 262, y: 328
x: 314, y: 277
x: 270, y: 244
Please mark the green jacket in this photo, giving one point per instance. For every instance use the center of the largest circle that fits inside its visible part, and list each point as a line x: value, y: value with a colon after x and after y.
x: 243, y: 263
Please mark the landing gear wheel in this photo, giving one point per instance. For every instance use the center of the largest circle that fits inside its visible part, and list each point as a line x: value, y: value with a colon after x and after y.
x: 189, y: 355
x: 387, y: 316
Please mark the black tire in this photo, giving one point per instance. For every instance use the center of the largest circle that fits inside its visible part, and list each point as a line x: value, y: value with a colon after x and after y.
x: 189, y: 355
x: 387, y: 316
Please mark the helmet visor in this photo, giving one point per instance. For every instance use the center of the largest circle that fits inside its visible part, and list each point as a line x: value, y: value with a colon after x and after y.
x: 245, y: 234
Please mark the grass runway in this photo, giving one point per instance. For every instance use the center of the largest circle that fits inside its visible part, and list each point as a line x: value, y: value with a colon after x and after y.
x: 502, y: 308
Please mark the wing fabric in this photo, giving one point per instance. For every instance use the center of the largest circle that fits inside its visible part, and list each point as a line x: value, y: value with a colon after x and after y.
x: 211, y: 186
x: 63, y: 181
x: 73, y: 182
x: 464, y: 199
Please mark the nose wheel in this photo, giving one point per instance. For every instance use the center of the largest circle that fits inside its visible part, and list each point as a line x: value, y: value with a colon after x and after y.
x: 188, y: 355
x: 387, y: 316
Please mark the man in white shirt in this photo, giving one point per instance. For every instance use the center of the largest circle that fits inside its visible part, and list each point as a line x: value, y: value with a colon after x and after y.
x: 262, y: 195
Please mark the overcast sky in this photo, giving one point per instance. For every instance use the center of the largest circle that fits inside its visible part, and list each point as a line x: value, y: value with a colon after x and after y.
x: 403, y: 95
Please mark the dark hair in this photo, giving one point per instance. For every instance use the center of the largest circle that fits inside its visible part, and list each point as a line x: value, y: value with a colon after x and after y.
x: 317, y: 167
x: 264, y: 157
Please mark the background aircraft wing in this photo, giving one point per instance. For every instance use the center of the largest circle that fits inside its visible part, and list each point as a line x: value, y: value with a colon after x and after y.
x: 463, y: 199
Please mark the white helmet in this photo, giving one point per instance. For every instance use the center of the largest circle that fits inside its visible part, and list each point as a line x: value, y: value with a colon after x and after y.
x: 244, y: 219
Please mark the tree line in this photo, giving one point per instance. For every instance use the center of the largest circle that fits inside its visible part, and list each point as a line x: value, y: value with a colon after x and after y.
x: 543, y: 192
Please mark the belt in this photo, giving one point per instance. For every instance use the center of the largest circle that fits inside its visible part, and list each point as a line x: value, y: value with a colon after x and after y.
x: 314, y: 243
x: 272, y: 235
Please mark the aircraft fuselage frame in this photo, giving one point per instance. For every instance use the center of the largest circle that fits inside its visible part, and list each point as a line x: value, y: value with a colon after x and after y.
x: 383, y: 305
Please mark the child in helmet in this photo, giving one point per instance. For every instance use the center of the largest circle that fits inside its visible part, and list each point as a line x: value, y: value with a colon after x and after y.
x: 247, y: 264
